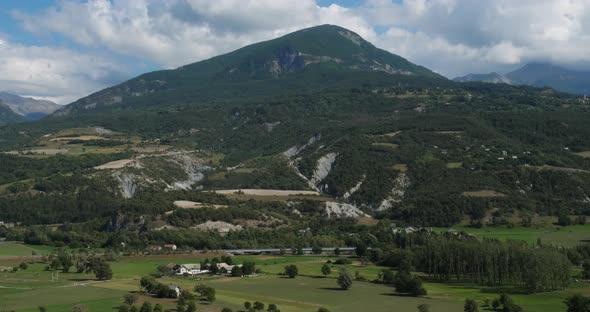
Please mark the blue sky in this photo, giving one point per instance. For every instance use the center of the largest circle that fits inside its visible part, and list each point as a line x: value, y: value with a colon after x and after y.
x: 65, y: 49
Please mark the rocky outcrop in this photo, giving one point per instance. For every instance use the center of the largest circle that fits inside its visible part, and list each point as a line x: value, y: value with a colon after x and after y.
x: 218, y: 226
x: 400, y: 185
x: 323, y: 168
x: 296, y: 149
x: 354, y: 189
x: 127, y: 184
x: 343, y: 210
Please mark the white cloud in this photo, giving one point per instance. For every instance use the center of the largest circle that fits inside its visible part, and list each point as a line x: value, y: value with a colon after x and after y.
x: 485, y: 35
x: 452, y: 37
x: 177, y: 32
x: 56, y: 74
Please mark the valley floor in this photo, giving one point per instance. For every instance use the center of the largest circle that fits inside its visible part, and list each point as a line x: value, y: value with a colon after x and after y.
x: 28, y: 289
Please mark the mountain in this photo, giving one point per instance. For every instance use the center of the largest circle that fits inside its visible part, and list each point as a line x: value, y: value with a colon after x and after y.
x: 7, y: 116
x: 314, y: 58
x: 539, y: 75
x: 29, y: 108
x: 491, y: 78
x: 319, y: 110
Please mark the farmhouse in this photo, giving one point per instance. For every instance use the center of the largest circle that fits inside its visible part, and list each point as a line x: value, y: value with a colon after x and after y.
x: 226, y: 268
x: 170, y: 246
x: 188, y: 269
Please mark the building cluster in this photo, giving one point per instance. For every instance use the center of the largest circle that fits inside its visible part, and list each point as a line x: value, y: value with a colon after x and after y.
x: 196, y: 268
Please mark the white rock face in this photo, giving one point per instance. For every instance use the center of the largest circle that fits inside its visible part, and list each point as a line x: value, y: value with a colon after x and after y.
x: 219, y: 226
x: 400, y: 185
x: 193, y: 168
x: 323, y: 168
x: 342, y: 210
x: 354, y: 189
x: 127, y: 184
x: 295, y: 150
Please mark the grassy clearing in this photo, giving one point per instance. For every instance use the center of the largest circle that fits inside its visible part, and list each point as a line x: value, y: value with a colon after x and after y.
x: 19, y: 250
x: 400, y: 167
x: 483, y: 193
x: 454, y: 165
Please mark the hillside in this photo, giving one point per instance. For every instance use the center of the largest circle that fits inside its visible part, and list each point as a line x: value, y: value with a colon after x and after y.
x: 7, y: 116
x: 291, y: 140
x: 539, y: 75
x: 311, y: 59
x: 28, y: 108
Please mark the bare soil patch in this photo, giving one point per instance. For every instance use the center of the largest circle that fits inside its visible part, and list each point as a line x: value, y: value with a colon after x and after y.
x: 261, y: 192
x: 43, y: 151
x: 80, y: 138
x: 483, y: 193
x: 187, y: 204
x: 117, y: 164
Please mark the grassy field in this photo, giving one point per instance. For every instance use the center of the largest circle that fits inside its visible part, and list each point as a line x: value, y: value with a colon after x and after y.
x: 565, y: 236
x: 26, y: 290
x: 21, y: 250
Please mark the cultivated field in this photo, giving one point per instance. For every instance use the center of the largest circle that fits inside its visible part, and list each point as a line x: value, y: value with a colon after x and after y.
x: 26, y: 290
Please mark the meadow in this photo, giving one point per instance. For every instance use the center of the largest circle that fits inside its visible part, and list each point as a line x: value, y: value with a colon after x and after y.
x: 28, y: 289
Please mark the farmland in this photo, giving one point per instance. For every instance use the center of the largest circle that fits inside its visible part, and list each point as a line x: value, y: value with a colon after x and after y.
x: 28, y: 289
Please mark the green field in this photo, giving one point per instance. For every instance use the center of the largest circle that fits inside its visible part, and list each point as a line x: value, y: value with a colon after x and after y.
x: 26, y: 290
x: 556, y: 235
x: 21, y: 250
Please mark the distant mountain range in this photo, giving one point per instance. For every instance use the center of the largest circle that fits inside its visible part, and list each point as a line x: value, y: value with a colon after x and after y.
x: 538, y: 75
x: 28, y: 108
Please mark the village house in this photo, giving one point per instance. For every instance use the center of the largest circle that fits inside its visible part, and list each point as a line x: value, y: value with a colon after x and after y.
x: 170, y: 246
x: 154, y: 248
x: 226, y: 268
x: 188, y: 269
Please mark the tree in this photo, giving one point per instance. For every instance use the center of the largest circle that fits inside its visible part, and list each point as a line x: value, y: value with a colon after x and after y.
x: 247, y: 305
x: 146, y: 307
x: 291, y: 270
x: 496, y: 304
x: 206, y: 291
x: 191, y: 307
x: 336, y: 252
x: 103, y: 271
x: 423, y: 307
x: 326, y: 269
x: 158, y: 308
x: 237, y: 271
x: 577, y: 303
x: 258, y: 306
x: 470, y: 306
x: 273, y: 308
x: 180, y: 308
x: 361, y: 250
x: 124, y: 308
x: 248, y: 267
x: 508, y: 305
x: 65, y: 260
x: 23, y: 266
x: 316, y: 250
x: 42, y: 309
x: 388, y: 277
x: 322, y: 309
x: 226, y: 310
x: 344, y: 280
x: 130, y: 299
x: 586, y: 271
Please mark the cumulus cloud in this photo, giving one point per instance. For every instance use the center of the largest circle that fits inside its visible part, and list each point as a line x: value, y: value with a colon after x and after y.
x: 452, y: 37
x: 485, y: 34
x: 56, y: 74
x: 177, y: 32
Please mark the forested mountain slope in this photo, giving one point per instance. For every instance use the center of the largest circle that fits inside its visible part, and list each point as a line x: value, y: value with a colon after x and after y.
x: 320, y: 110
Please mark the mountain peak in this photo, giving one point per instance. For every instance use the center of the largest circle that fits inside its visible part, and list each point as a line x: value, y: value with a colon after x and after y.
x: 26, y: 107
x: 312, y: 58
